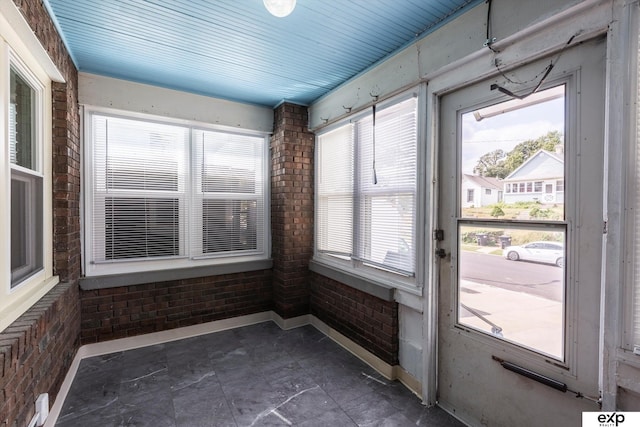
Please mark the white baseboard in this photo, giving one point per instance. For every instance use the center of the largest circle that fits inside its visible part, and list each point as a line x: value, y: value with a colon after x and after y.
x: 90, y: 350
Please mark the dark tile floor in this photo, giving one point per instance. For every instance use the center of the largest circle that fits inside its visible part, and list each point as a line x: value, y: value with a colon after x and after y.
x: 257, y: 375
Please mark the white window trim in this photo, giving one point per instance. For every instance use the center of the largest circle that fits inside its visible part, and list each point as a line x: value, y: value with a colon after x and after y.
x: 20, y: 47
x: 358, y: 270
x: 123, y: 268
x: 629, y: 346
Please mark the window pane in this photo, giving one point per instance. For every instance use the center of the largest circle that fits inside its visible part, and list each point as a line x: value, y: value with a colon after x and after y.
x: 335, y: 185
x: 139, y: 185
x: 516, y: 147
x: 511, y: 284
x: 228, y: 210
x: 139, y: 155
x: 21, y: 122
x: 387, y: 186
x: 388, y: 238
x: 26, y: 226
x: 231, y: 163
x: 229, y: 225
x: 141, y: 228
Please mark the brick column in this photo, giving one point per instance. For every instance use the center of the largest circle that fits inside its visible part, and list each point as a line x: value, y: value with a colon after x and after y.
x: 66, y: 179
x: 291, y: 209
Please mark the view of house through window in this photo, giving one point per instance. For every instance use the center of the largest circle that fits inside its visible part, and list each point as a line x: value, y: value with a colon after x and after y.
x: 512, y: 233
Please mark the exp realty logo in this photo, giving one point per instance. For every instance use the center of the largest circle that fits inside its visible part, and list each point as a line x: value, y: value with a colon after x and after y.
x: 610, y: 419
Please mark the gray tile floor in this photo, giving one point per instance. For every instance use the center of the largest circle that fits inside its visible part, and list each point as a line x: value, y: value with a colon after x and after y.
x: 257, y: 375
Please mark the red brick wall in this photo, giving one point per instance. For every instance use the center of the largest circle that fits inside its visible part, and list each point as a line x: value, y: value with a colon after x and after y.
x: 292, y: 148
x: 37, y: 349
x: 133, y: 310
x: 367, y: 320
x: 36, y: 352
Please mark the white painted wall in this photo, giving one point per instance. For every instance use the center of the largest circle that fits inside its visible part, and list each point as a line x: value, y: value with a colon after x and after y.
x: 410, y: 334
x: 107, y: 92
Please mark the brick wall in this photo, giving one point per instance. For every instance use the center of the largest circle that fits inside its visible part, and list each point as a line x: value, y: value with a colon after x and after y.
x: 133, y: 310
x: 37, y: 349
x: 36, y: 352
x: 292, y: 148
x: 367, y: 320
x: 66, y: 144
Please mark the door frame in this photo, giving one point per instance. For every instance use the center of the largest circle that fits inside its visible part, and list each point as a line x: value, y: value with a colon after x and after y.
x: 518, y: 50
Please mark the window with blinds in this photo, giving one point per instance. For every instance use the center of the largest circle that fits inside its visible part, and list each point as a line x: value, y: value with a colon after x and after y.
x: 229, y: 196
x: 140, y: 189
x: 162, y: 191
x: 366, y: 189
x: 335, y: 192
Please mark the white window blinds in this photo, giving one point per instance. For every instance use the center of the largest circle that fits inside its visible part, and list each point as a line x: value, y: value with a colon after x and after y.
x: 228, y: 201
x: 386, y: 199
x: 366, y: 189
x: 139, y: 189
x: 335, y: 178
x: 163, y: 191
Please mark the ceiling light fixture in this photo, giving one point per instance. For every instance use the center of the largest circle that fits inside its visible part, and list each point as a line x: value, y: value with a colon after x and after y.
x: 280, y: 8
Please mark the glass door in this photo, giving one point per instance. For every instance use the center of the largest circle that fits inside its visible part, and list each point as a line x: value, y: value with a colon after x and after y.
x: 520, y: 205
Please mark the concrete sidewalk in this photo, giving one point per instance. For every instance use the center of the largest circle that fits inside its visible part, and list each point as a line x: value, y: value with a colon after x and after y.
x: 525, y: 319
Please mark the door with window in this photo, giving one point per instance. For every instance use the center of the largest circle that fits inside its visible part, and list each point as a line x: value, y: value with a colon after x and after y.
x: 519, y: 283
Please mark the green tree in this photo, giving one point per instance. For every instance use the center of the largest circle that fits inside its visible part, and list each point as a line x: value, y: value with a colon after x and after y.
x: 499, y: 164
x: 491, y: 164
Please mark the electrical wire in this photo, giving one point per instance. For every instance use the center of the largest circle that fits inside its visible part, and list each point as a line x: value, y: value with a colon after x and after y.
x: 489, y: 40
x: 375, y: 177
x: 545, y: 73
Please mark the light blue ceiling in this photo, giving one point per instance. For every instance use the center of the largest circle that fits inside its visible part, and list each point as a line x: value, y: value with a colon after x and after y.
x: 234, y: 49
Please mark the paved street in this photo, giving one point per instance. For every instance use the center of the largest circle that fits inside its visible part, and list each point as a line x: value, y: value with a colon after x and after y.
x: 532, y: 278
x: 523, y: 298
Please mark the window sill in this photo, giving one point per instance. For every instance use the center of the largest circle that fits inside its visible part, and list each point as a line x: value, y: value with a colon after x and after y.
x: 370, y: 285
x: 128, y: 279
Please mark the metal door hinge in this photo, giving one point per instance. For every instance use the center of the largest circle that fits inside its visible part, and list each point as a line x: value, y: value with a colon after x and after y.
x: 441, y: 253
x: 438, y: 235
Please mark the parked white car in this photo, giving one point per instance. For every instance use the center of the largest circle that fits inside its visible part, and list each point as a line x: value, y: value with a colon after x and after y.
x: 547, y: 252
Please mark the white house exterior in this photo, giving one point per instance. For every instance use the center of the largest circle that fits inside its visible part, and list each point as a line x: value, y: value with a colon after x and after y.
x: 539, y: 179
x: 480, y: 191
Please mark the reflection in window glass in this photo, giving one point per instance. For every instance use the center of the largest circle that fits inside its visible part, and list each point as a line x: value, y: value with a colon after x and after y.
x: 21, y: 122
x: 517, y: 147
x: 511, y: 284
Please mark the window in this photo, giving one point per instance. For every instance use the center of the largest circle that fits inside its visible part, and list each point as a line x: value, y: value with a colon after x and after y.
x: 470, y: 195
x: 520, y: 229
x: 26, y: 180
x: 537, y: 187
x: 507, y: 188
x: 559, y: 185
x: 168, y: 195
x: 26, y: 220
x: 487, y: 191
x: 366, y: 191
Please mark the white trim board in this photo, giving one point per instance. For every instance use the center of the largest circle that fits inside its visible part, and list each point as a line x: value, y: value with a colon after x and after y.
x: 90, y: 350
